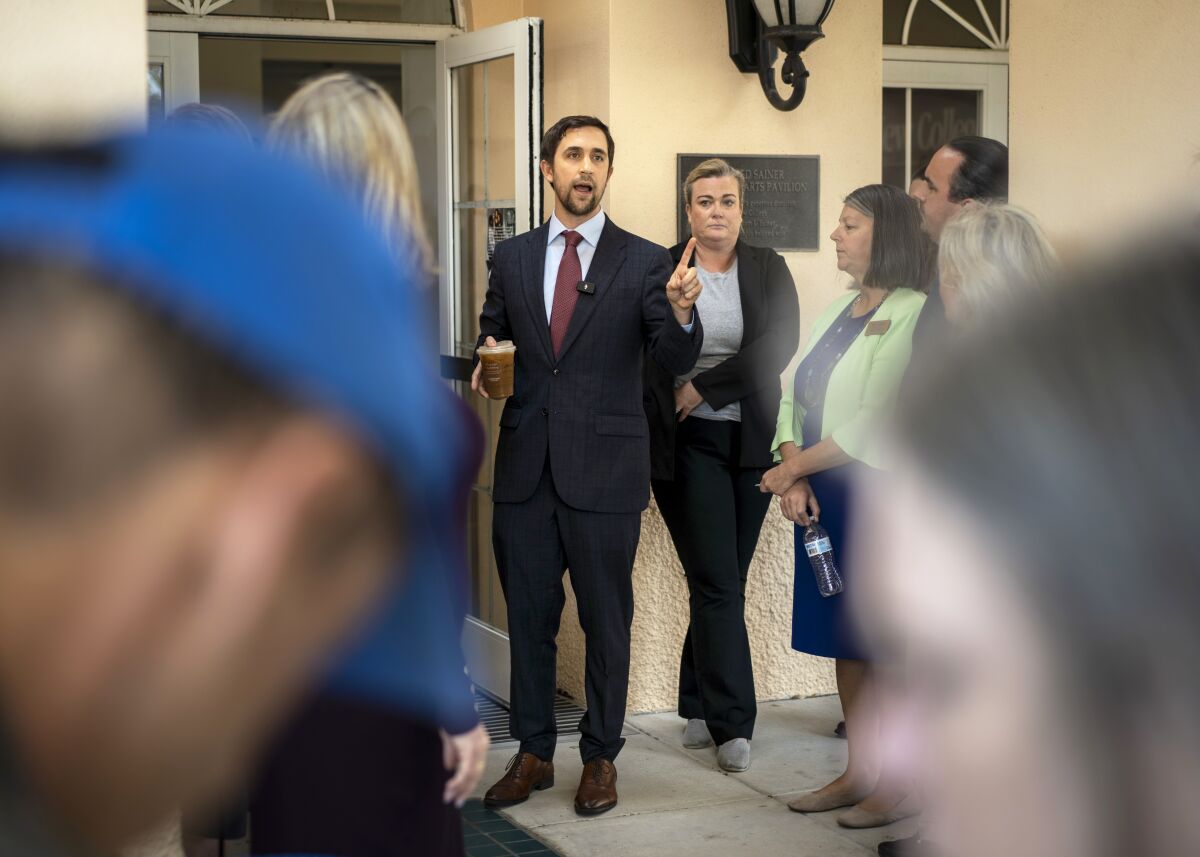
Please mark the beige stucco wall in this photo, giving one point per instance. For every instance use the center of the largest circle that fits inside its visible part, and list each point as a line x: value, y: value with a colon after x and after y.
x: 659, y: 73
x: 1103, y: 111
x: 71, y: 69
x: 577, y: 38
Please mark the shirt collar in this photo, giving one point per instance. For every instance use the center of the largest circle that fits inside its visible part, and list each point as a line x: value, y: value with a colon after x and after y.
x: 590, y: 230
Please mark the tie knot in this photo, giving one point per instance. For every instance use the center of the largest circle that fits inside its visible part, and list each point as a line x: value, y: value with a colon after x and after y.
x: 572, y: 238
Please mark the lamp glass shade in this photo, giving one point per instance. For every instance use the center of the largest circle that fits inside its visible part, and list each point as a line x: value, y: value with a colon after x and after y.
x: 776, y: 13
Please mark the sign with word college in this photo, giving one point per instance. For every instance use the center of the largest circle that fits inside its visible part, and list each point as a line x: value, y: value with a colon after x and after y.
x: 782, y: 205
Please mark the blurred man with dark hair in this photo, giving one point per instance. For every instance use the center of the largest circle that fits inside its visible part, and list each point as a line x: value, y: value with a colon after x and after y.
x: 202, y: 488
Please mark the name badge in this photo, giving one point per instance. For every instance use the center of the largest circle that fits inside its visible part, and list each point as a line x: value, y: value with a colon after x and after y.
x: 586, y: 288
x: 878, y: 328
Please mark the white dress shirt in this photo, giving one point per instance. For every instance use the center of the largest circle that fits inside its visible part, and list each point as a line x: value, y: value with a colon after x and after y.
x: 556, y: 246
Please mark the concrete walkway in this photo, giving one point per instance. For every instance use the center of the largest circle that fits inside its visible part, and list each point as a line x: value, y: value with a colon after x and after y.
x: 677, y: 803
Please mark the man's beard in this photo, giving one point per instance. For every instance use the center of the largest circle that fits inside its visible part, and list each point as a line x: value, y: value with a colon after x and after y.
x: 577, y: 209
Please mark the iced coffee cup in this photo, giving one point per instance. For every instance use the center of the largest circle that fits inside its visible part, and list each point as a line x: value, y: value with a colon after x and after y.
x: 497, y: 363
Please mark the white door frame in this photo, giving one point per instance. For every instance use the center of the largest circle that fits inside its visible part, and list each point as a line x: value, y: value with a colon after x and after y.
x: 983, y: 71
x: 174, y: 42
x: 298, y: 28
x: 486, y: 647
x: 520, y: 39
x: 179, y: 54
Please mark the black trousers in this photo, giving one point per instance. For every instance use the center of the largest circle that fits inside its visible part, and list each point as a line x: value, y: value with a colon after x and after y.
x: 714, y: 513
x: 535, y: 541
x: 348, y: 778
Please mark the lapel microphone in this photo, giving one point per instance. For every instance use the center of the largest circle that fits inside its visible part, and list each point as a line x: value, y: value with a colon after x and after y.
x: 586, y: 288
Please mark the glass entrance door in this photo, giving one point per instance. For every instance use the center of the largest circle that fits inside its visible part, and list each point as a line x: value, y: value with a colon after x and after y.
x: 490, y: 189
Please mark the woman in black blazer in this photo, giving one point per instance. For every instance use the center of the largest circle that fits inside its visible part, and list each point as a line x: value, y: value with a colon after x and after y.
x: 710, y: 441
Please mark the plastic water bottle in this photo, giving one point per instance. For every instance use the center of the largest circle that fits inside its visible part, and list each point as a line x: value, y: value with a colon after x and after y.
x: 820, y: 555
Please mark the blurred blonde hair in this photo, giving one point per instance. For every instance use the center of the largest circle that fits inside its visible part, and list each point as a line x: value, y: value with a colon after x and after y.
x: 352, y: 129
x: 995, y: 252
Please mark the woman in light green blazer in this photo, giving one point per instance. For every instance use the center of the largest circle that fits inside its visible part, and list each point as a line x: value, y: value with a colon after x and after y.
x: 851, y: 369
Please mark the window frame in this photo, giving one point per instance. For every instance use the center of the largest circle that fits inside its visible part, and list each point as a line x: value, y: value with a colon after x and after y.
x: 984, y: 71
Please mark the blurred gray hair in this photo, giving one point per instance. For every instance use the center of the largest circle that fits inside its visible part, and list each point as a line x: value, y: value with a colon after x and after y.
x: 1068, y: 427
x: 995, y: 253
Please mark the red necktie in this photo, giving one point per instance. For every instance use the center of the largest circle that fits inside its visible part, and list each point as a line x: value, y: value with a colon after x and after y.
x: 566, y: 291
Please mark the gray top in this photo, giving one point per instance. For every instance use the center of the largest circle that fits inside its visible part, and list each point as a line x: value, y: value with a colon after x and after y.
x: 720, y: 305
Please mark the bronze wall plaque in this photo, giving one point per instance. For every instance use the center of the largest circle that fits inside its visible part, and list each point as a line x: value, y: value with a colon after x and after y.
x: 783, y: 200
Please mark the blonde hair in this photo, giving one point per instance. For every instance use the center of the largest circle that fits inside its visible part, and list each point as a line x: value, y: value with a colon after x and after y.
x: 995, y: 252
x: 714, y: 168
x: 352, y: 129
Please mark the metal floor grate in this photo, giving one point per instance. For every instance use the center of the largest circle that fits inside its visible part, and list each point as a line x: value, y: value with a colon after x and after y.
x: 494, y: 716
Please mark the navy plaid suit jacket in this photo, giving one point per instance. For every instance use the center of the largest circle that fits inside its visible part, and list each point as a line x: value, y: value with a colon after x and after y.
x: 583, y: 409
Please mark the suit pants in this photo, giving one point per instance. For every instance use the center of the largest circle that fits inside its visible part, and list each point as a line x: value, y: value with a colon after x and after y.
x: 353, y: 778
x: 714, y: 513
x: 535, y: 541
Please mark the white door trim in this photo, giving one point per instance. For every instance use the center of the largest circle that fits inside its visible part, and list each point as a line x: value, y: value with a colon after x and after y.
x: 937, y: 68
x: 487, y: 655
x: 297, y: 28
x: 486, y: 647
x: 970, y: 56
x: 179, y: 54
x: 989, y: 79
x: 522, y: 40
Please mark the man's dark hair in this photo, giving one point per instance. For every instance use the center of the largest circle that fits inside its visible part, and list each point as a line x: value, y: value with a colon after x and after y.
x: 553, y: 137
x: 901, y: 253
x: 983, y: 174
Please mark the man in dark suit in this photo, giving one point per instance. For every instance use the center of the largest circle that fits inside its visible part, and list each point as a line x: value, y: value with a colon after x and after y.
x: 580, y: 298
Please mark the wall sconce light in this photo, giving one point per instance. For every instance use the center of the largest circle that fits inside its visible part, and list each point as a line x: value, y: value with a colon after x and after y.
x: 760, y: 28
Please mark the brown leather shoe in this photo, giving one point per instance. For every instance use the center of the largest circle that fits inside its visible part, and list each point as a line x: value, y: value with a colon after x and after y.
x: 597, y: 788
x: 525, y: 773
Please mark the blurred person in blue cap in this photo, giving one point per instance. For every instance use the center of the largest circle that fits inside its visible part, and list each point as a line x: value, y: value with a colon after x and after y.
x: 220, y: 480
x: 350, y: 776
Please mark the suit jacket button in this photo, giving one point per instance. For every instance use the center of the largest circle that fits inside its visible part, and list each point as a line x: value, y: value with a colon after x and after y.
x: 555, y: 371
x: 545, y: 412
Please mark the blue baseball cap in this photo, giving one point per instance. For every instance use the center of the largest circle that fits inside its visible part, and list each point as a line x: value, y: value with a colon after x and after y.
x: 256, y: 254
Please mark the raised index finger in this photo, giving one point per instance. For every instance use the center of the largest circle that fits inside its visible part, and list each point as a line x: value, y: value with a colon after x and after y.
x: 687, y: 256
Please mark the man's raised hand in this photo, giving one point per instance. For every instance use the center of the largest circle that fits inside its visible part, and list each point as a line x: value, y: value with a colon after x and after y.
x: 684, y: 286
